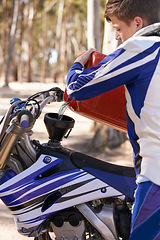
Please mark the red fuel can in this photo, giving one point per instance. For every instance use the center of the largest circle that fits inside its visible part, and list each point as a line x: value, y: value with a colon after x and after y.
x: 108, y: 108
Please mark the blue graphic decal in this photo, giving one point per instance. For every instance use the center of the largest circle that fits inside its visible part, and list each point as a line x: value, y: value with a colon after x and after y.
x: 123, y: 184
x: 12, y: 199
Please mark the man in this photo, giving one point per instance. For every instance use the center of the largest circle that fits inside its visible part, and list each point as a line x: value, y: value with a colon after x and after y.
x: 136, y: 65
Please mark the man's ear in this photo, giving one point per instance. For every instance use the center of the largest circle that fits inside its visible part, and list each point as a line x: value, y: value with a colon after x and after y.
x: 139, y: 22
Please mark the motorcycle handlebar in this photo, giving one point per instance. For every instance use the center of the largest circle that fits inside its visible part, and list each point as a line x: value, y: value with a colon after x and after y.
x: 56, y: 96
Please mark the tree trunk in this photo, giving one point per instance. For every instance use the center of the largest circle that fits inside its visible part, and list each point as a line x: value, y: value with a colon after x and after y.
x: 30, y: 25
x: 93, y: 24
x: 90, y: 23
x: 97, y: 28
x: 4, y: 34
x: 11, y: 40
x: 109, y: 41
x: 63, y: 66
x: 19, y: 59
x: 58, y: 36
x: 44, y: 30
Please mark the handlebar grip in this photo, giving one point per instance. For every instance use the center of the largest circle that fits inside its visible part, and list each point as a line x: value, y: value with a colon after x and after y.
x: 25, y: 118
x: 24, y: 121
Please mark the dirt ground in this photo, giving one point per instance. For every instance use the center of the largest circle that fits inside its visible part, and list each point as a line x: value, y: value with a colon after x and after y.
x: 79, y: 140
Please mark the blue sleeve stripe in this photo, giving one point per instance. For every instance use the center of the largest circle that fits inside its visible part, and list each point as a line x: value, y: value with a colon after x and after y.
x: 130, y: 63
x: 139, y: 56
x: 112, y: 68
x: 106, y: 74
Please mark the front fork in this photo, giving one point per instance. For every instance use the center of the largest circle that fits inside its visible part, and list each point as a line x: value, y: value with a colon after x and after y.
x: 9, y: 140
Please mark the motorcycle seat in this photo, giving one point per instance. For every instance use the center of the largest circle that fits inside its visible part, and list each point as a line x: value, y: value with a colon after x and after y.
x: 122, y: 178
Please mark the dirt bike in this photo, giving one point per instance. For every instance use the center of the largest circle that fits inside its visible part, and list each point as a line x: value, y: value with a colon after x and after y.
x: 55, y: 192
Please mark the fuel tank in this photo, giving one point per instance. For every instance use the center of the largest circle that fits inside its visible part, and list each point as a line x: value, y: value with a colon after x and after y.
x: 108, y: 108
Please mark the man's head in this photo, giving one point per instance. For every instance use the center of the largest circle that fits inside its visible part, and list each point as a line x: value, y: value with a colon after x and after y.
x: 129, y: 16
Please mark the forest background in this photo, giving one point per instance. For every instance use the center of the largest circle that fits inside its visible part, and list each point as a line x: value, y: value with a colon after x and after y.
x: 40, y: 39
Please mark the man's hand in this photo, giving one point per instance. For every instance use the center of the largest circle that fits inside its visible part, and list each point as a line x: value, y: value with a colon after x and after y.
x: 84, y: 57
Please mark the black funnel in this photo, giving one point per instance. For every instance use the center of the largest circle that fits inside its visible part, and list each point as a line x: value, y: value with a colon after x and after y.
x: 57, y: 129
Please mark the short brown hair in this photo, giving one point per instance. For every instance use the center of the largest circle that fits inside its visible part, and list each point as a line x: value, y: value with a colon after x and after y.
x: 127, y: 10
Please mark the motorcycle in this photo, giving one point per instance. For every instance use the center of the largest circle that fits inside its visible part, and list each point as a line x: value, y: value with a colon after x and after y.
x: 55, y: 192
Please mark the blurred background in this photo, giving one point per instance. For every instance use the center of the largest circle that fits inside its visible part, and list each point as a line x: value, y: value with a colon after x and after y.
x: 39, y: 39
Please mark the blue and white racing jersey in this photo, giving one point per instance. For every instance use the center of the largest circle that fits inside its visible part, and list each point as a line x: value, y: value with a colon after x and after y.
x: 136, y: 65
